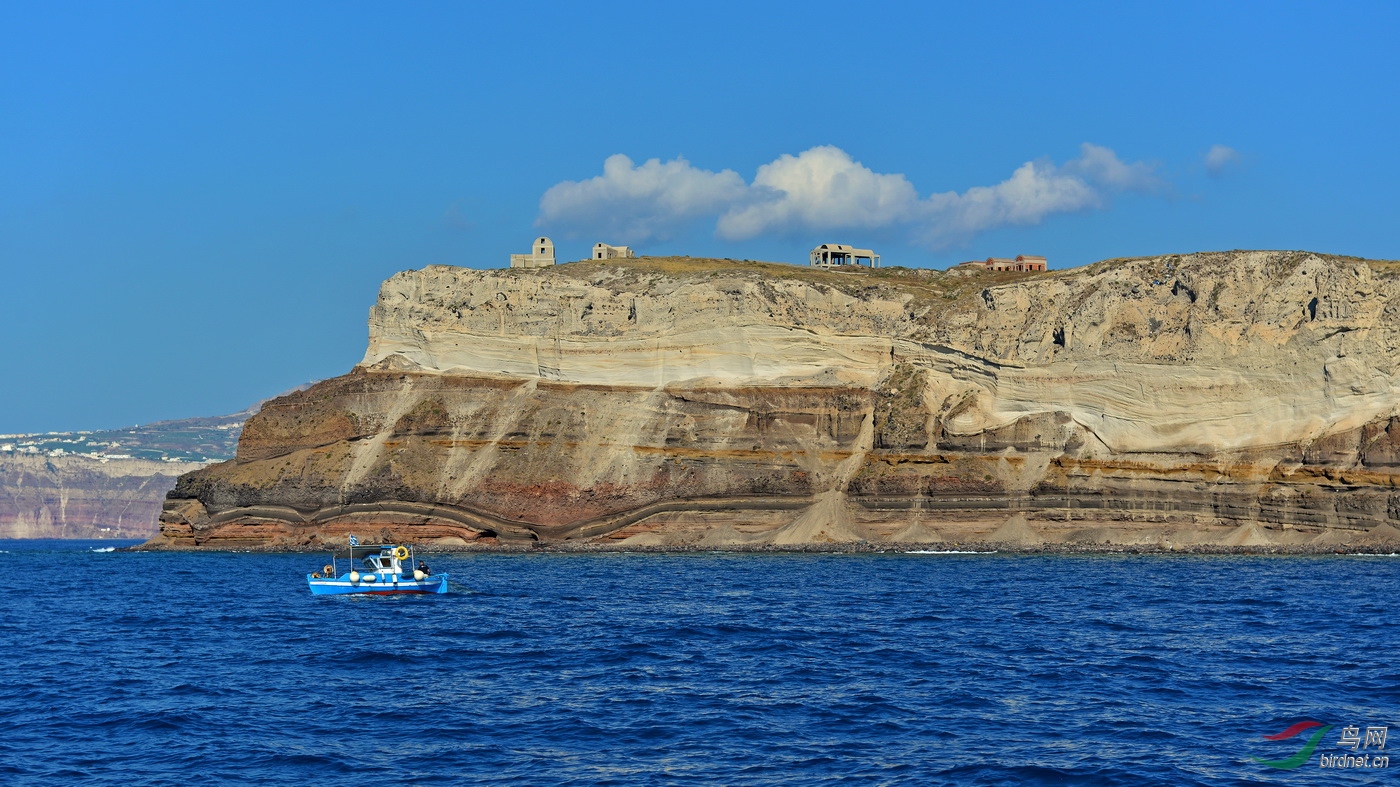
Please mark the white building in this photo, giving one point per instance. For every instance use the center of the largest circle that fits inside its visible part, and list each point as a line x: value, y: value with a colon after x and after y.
x: 836, y: 255
x: 541, y: 255
x: 602, y: 251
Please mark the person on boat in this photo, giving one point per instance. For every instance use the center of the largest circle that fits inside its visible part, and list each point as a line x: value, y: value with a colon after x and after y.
x: 424, y: 568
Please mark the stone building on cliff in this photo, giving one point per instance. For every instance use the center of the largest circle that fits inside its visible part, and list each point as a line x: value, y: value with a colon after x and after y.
x: 839, y: 255
x: 1024, y: 263
x: 602, y: 251
x: 541, y: 255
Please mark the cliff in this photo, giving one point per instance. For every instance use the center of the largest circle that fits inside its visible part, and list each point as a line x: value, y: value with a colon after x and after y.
x: 1240, y: 398
x: 105, y: 483
x: 81, y: 497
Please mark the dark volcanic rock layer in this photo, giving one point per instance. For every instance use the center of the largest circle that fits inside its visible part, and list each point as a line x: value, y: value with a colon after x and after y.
x: 1230, y: 399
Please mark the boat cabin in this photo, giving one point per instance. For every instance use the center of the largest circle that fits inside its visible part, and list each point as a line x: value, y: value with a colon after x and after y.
x: 381, y: 563
x: 375, y: 570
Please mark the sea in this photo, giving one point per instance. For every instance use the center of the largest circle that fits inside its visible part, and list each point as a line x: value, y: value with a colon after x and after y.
x: 930, y: 668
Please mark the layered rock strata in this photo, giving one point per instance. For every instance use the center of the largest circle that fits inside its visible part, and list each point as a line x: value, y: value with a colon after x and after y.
x: 79, y: 497
x: 1240, y: 398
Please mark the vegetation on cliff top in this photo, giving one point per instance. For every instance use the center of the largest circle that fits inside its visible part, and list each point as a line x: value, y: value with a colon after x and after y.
x: 947, y: 288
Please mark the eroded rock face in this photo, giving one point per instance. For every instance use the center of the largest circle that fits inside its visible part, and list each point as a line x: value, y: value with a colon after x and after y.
x: 1165, y: 400
x: 78, y: 497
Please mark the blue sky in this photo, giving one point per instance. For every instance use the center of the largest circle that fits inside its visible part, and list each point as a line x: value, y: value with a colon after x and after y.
x: 199, y: 200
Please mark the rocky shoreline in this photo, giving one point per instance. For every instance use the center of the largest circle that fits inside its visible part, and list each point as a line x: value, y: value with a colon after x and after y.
x: 849, y: 548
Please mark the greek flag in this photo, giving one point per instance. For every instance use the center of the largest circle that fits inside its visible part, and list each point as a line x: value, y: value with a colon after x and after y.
x: 354, y: 542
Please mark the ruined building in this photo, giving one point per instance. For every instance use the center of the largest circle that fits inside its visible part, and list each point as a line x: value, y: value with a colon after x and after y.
x: 837, y: 255
x: 602, y: 251
x: 541, y: 255
x: 1023, y: 263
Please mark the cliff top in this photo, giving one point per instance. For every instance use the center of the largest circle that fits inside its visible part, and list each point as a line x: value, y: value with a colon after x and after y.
x: 855, y: 280
x: 953, y: 284
x: 1240, y: 307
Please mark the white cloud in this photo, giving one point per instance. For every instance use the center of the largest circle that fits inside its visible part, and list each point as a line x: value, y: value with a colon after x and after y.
x: 634, y: 203
x: 823, y: 188
x: 820, y: 187
x: 1219, y: 158
x: 1100, y: 165
x: 1035, y: 190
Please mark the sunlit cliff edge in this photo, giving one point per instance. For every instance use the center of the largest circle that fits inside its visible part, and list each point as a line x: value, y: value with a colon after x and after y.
x: 1215, y: 399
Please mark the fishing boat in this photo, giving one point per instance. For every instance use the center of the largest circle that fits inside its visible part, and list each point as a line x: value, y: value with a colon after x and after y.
x: 380, y: 570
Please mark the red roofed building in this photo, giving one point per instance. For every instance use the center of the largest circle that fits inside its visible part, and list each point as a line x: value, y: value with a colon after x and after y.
x: 1024, y: 263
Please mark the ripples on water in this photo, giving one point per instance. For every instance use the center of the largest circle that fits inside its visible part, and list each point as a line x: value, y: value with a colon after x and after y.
x: 688, y: 669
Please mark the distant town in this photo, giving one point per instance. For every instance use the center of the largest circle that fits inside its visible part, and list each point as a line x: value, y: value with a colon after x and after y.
x: 193, y: 440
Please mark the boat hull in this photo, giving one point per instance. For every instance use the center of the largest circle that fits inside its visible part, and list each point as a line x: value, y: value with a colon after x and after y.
x: 342, y: 586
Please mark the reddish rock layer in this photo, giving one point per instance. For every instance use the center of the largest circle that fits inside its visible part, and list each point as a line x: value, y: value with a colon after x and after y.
x: 1179, y: 400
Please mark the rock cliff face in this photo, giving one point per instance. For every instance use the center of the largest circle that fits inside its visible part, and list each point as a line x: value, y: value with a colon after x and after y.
x: 1222, y: 398
x: 78, y: 497
x: 105, y: 483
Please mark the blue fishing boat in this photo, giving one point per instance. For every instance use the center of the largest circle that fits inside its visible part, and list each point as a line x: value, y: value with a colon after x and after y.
x: 381, y: 570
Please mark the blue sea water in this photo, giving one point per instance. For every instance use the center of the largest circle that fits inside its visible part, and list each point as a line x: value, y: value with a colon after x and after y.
x: 734, y: 669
